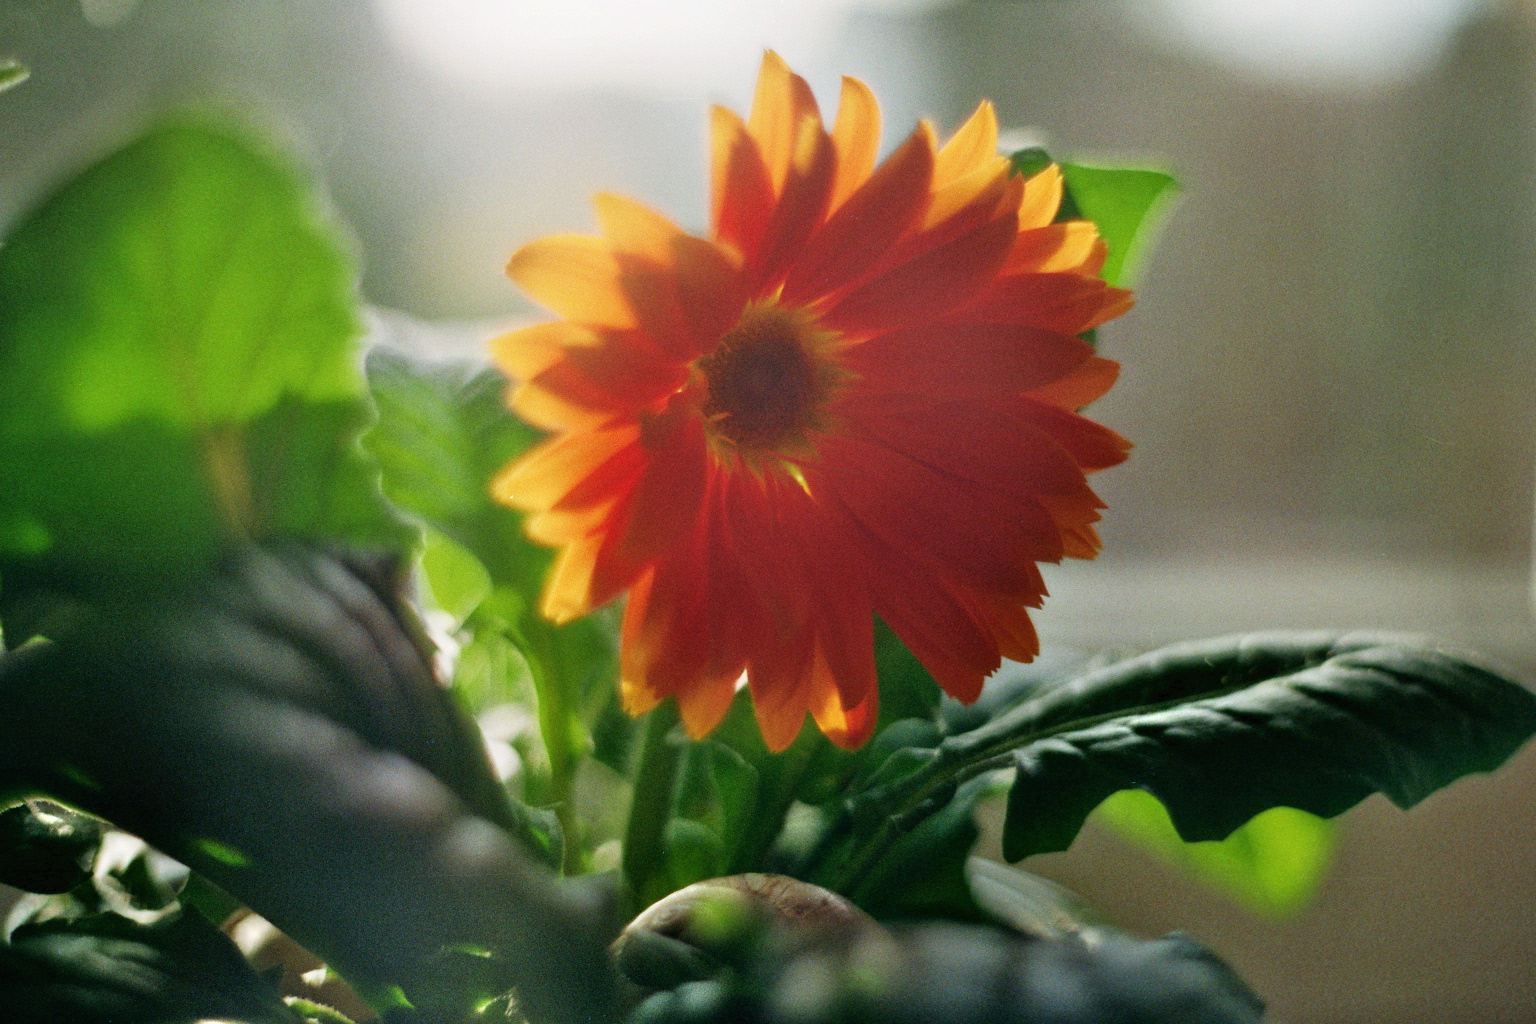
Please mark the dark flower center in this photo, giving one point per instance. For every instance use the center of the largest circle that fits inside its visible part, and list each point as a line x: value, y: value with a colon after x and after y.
x: 769, y: 381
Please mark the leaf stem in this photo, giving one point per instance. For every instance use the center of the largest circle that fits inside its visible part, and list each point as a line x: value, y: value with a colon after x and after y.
x: 774, y: 802
x: 555, y: 728
x: 645, y: 834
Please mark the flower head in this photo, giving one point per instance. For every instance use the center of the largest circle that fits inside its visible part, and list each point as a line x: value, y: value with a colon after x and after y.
x: 857, y: 397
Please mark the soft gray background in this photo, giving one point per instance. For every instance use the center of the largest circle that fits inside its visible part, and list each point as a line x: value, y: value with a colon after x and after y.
x: 1328, y: 376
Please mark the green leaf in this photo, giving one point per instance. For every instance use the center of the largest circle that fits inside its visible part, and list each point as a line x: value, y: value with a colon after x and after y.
x: 1127, y: 204
x: 1272, y: 865
x: 105, y: 969
x: 1224, y: 729
x: 176, y: 364
x: 443, y: 432
x: 924, y: 873
x: 456, y: 581
x: 12, y: 73
x: 186, y: 280
x: 717, y: 789
x: 906, y: 688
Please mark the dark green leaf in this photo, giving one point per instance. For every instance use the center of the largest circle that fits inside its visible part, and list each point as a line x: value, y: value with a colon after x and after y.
x: 105, y: 969
x: 1222, y: 730
x: 924, y: 873
x: 906, y: 688
x: 717, y: 787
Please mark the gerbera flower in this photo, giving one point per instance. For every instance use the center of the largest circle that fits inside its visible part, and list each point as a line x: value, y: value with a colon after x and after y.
x: 855, y: 398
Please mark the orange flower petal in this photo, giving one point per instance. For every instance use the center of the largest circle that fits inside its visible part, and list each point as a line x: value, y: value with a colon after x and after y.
x: 575, y: 277
x: 807, y: 189
x: 1041, y: 198
x: 987, y: 540
x: 855, y: 137
x: 666, y: 500
x: 1068, y: 303
x: 1085, y: 384
x: 781, y: 106
x: 585, y: 576
x: 974, y: 146
x: 779, y: 676
x: 844, y: 686
x: 710, y: 291
x: 995, y: 444
x: 742, y: 197
x: 1089, y: 444
x: 922, y: 315
x: 552, y: 469
x: 588, y: 387
x: 635, y: 228
x: 1064, y: 246
x: 530, y: 351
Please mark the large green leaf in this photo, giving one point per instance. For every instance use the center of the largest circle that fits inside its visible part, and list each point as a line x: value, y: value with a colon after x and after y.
x: 1219, y: 730
x: 1127, y: 204
x: 177, y: 329
x: 1222, y: 730
x: 186, y: 279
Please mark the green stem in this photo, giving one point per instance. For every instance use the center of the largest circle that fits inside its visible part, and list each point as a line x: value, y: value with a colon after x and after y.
x: 774, y: 801
x: 555, y: 728
x: 645, y: 834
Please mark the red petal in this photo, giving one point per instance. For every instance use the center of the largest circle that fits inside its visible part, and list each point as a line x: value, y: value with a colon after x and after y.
x: 928, y: 286
x: 666, y: 500
x: 981, y: 536
x: 961, y: 361
x: 1069, y: 303
x: 862, y: 231
x: 807, y: 190
x: 1083, y: 385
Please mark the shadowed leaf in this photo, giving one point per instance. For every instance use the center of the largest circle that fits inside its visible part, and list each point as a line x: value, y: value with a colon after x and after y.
x: 1222, y: 730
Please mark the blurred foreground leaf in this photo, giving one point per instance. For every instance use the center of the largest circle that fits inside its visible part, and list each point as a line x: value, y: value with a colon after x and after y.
x: 177, y: 328
x: 105, y: 969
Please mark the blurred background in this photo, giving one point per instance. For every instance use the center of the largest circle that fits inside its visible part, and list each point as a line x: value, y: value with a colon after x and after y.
x: 1328, y: 376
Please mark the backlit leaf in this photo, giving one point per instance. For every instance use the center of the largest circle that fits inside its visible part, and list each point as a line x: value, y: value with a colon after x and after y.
x: 1221, y: 730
